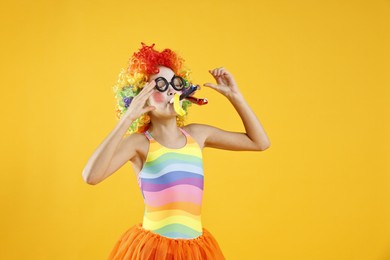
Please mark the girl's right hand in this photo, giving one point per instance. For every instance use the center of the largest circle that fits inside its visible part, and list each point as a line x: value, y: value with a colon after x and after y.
x: 138, y: 105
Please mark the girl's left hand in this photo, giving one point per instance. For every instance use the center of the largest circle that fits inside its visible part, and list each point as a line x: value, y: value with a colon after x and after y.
x: 226, y: 85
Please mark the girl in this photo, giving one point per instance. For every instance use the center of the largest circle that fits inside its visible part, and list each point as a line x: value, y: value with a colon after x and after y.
x: 166, y: 155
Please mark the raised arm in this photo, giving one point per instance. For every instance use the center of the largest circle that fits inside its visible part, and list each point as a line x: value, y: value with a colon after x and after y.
x: 115, y: 150
x: 254, y: 138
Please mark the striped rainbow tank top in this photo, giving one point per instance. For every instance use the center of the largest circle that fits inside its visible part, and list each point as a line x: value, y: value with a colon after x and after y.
x: 171, y: 183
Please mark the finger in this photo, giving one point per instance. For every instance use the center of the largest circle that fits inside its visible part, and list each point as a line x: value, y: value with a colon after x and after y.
x: 142, y: 98
x: 150, y: 85
x: 147, y: 95
x: 151, y: 90
x: 148, y: 88
x: 218, y: 72
x: 214, y: 73
x: 145, y: 86
x: 148, y: 109
x: 229, y: 78
x: 219, y: 81
x: 211, y: 85
x: 224, y: 71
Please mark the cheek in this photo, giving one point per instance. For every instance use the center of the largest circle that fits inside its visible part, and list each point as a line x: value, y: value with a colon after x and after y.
x: 158, y: 97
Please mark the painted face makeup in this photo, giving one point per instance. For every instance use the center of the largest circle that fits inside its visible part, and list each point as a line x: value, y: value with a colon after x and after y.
x: 158, y: 97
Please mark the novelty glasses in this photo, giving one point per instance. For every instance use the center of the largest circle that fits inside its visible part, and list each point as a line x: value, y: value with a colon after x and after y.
x: 177, y: 82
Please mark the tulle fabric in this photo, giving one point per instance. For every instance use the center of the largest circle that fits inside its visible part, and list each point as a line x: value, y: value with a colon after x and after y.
x: 138, y: 243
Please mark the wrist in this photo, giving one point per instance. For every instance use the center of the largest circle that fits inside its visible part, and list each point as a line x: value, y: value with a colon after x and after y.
x: 235, y: 97
x: 127, y: 118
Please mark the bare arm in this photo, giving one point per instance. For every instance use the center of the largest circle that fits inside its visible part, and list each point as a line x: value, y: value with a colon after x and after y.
x: 95, y: 169
x: 254, y: 138
x: 110, y: 155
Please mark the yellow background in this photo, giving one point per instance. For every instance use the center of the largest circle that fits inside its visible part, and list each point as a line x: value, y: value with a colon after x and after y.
x: 315, y: 73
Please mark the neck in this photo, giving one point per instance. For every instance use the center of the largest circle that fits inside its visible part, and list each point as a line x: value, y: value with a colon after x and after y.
x: 163, y: 127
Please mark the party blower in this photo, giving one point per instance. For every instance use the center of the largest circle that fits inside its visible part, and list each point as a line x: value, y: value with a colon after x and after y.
x: 186, y: 95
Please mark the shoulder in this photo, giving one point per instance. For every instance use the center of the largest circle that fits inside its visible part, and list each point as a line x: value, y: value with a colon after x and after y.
x: 136, y: 138
x: 136, y: 146
x: 200, y: 132
x: 138, y: 143
x: 199, y: 129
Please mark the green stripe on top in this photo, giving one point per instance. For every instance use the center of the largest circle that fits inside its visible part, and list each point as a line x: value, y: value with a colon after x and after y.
x: 176, y: 157
x: 189, y: 232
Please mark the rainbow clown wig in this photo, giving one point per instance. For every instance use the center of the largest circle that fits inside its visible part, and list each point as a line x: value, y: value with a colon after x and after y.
x: 131, y: 80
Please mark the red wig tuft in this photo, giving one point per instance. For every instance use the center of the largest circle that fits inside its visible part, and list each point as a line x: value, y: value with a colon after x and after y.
x: 147, y: 60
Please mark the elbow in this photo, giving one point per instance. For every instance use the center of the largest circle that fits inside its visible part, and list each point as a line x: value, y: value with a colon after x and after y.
x: 265, y: 148
x: 87, y: 178
x: 262, y: 146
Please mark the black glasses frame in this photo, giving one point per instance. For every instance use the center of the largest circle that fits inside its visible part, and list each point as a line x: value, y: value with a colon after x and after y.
x: 181, y: 87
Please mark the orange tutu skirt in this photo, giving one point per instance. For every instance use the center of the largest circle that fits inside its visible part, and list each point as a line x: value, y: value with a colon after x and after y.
x: 138, y: 243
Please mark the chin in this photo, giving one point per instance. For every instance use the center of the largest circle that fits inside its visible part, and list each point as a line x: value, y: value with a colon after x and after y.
x: 165, y: 114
